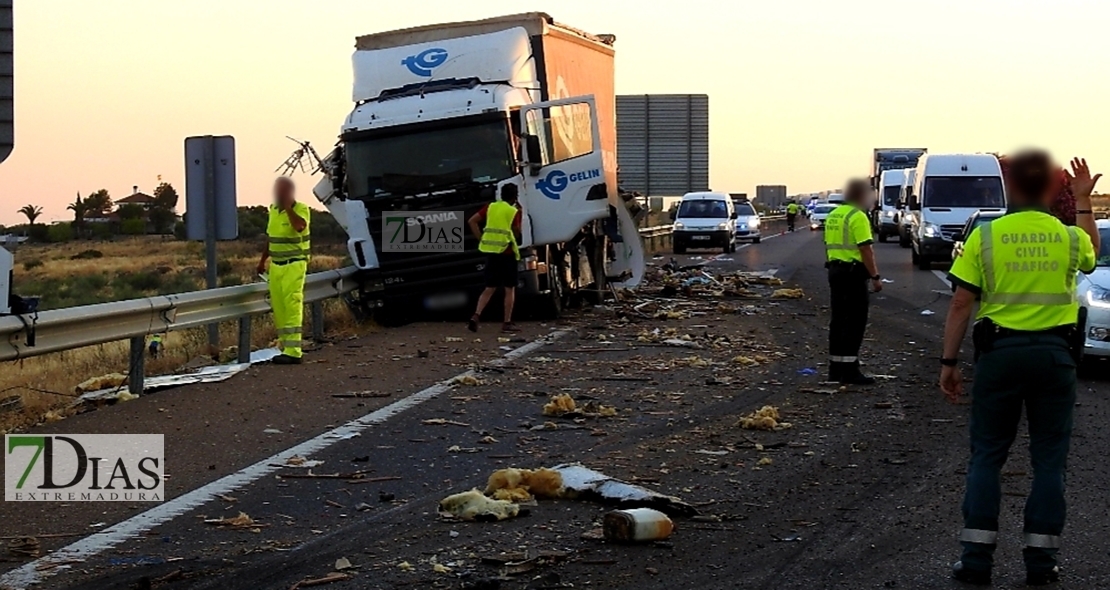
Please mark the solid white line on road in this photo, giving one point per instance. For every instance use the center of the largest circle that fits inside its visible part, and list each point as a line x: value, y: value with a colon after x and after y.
x: 35, y: 571
x: 943, y: 278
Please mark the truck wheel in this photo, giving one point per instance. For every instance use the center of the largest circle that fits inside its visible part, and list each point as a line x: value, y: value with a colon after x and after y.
x: 756, y: 240
x: 914, y: 258
x: 882, y: 237
x: 550, y: 306
x: 393, y: 315
x: 924, y: 263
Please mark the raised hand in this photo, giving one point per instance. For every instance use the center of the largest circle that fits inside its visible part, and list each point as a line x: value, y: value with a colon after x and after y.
x: 1082, y: 183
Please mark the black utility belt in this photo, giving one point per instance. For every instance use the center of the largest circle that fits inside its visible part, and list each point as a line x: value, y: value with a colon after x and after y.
x: 843, y: 264
x: 1059, y: 331
x: 290, y: 261
x: 986, y: 334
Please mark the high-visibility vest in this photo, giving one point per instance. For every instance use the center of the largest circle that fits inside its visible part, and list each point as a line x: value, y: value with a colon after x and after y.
x: 1028, y: 264
x: 498, y: 234
x: 286, y: 243
x: 845, y: 228
x: 792, y: 208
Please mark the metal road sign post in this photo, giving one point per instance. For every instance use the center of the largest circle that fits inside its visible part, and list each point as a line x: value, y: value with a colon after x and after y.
x: 7, y: 129
x: 211, y: 212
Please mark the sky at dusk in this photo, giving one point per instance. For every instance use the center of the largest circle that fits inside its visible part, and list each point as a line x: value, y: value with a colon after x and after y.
x: 800, y: 91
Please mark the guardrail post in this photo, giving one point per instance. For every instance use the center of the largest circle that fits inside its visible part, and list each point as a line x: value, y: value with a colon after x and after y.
x: 317, y: 320
x: 136, y: 373
x: 245, y: 339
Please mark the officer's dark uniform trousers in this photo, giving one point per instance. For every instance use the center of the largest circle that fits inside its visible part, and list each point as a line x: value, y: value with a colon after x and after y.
x: 848, y: 310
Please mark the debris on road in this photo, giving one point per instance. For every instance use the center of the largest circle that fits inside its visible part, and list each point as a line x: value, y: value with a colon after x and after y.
x: 300, y: 462
x: 807, y: 372
x: 788, y: 294
x: 564, y: 406
x: 583, y: 483
x: 467, y: 379
x: 25, y: 547
x: 328, y: 579
x: 765, y: 461
x: 559, y: 405
x: 928, y: 312
x: 524, y: 485
x: 765, y: 418
x: 681, y: 343
x: 242, y: 521
x: 343, y: 564
x: 637, y: 525
x: 109, y: 381
x: 443, y: 422
x: 475, y: 506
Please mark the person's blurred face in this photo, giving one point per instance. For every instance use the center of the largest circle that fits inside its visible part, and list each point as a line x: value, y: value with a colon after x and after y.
x: 284, y: 192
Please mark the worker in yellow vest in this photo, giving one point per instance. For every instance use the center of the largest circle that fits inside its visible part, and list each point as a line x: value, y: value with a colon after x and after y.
x: 287, y: 250
x: 791, y: 215
x: 1028, y: 339
x: 851, y: 264
x: 497, y: 227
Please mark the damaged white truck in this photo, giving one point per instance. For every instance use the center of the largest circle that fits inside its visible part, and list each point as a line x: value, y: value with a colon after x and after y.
x: 444, y: 116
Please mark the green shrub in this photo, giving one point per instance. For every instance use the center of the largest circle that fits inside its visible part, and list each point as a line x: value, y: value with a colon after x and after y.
x: 133, y: 227
x: 87, y: 255
x: 178, y: 283
x: 32, y: 264
x: 224, y: 267
x: 100, y: 231
x: 137, y: 282
x: 60, y: 232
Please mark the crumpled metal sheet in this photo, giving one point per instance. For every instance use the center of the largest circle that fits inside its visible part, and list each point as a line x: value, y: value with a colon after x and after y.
x: 213, y: 374
x: 587, y: 484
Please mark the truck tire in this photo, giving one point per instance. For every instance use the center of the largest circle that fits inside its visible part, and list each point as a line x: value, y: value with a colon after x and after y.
x: 882, y: 237
x: 756, y: 240
x: 551, y: 304
x: 924, y: 263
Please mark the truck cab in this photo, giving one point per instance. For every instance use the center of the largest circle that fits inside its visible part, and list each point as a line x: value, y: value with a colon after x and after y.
x: 947, y: 190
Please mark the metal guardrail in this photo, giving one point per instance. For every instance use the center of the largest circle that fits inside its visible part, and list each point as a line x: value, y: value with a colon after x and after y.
x: 76, y: 327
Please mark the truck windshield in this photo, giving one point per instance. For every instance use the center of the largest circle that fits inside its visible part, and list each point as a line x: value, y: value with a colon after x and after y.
x: 703, y: 209
x: 890, y: 195
x: 428, y: 159
x: 973, y: 192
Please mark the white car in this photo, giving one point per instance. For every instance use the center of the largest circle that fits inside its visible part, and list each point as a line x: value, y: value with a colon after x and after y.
x: 820, y: 214
x: 747, y: 223
x: 1094, y: 296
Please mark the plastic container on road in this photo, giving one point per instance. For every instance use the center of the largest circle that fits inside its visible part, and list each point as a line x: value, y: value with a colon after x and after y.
x: 637, y: 525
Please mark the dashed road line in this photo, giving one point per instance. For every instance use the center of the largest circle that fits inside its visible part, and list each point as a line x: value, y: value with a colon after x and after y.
x: 36, y: 571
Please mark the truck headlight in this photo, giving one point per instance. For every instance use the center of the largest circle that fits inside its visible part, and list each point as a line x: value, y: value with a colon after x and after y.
x: 930, y: 230
x: 1098, y: 297
x: 679, y: 225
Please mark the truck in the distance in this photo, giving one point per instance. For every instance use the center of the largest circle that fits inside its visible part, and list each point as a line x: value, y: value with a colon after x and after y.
x: 444, y: 116
x: 883, y: 159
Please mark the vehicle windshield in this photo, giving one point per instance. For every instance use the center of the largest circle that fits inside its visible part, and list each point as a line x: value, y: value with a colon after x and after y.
x: 973, y: 192
x: 422, y: 161
x: 744, y: 210
x: 1104, y: 247
x: 824, y: 209
x: 705, y: 209
x: 890, y: 195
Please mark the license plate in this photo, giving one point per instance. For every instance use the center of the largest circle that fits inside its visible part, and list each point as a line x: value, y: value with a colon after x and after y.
x: 444, y: 301
x: 699, y: 238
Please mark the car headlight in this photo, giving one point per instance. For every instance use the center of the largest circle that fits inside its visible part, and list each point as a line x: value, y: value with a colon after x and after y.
x: 679, y: 225
x: 1098, y: 297
x: 888, y: 214
x: 722, y: 225
x: 930, y: 230
x: 753, y: 222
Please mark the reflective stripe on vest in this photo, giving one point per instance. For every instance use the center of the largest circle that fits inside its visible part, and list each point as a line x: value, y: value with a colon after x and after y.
x: 992, y: 296
x: 498, y: 233
x: 284, y: 242
x: 846, y: 235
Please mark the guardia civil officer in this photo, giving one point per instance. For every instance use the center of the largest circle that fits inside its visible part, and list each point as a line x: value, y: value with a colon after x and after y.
x: 851, y: 264
x: 791, y: 215
x: 1027, y: 338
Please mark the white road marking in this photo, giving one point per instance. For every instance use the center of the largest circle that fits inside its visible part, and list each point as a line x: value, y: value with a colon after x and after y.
x: 36, y: 571
x: 943, y: 278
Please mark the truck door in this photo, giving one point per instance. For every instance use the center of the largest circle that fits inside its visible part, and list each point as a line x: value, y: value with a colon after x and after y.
x: 564, y: 174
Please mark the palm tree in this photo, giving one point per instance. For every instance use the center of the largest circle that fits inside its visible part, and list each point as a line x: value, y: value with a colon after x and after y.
x: 80, y: 208
x: 31, y: 212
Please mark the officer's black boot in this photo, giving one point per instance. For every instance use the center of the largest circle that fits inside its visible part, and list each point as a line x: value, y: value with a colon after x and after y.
x: 851, y: 375
x: 836, y: 371
x: 970, y: 576
x: 1043, y: 578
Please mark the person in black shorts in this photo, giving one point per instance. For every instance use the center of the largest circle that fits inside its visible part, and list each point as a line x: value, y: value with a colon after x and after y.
x: 497, y: 227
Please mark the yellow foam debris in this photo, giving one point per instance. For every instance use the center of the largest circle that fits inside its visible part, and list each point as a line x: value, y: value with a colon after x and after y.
x: 439, y: 568
x: 522, y: 485
x: 405, y: 566
x: 766, y: 418
x: 745, y: 361
x: 474, y: 505
x: 102, y: 382
x: 788, y: 294
x: 560, y: 405
x: 765, y: 461
x: 468, y: 380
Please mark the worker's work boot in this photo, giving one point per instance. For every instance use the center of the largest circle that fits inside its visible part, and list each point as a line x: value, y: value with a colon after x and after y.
x: 284, y: 359
x: 472, y: 324
x: 509, y: 328
x: 970, y: 576
x: 1043, y: 578
x: 851, y: 375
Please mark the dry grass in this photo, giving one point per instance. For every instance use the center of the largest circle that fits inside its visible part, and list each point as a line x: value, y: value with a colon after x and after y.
x: 46, y: 383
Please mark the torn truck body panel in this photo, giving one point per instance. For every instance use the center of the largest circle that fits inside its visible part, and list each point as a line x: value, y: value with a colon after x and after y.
x: 587, y: 483
x: 444, y: 117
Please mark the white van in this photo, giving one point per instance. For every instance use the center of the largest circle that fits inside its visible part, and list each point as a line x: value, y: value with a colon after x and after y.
x: 947, y: 189
x: 890, y: 190
x: 705, y: 220
x: 904, y: 225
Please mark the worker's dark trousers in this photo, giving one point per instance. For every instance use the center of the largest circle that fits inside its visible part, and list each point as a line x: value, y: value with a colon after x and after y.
x: 1039, y: 373
x: 790, y: 218
x: 848, y: 318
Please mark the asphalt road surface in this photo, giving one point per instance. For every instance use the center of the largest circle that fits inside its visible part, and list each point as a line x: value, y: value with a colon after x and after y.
x: 862, y: 491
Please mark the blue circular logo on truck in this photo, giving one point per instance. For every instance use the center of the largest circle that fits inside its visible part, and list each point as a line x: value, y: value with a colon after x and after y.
x: 553, y: 184
x: 424, y: 62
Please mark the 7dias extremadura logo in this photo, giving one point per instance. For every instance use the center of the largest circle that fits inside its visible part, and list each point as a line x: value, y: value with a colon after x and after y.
x: 84, y: 468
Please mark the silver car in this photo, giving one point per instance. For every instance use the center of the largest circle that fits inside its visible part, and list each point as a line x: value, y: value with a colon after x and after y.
x: 1094, y: 296
x: 747, y: 223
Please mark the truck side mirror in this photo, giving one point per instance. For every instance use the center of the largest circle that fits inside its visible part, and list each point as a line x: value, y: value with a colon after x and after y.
x: 533, y: 154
